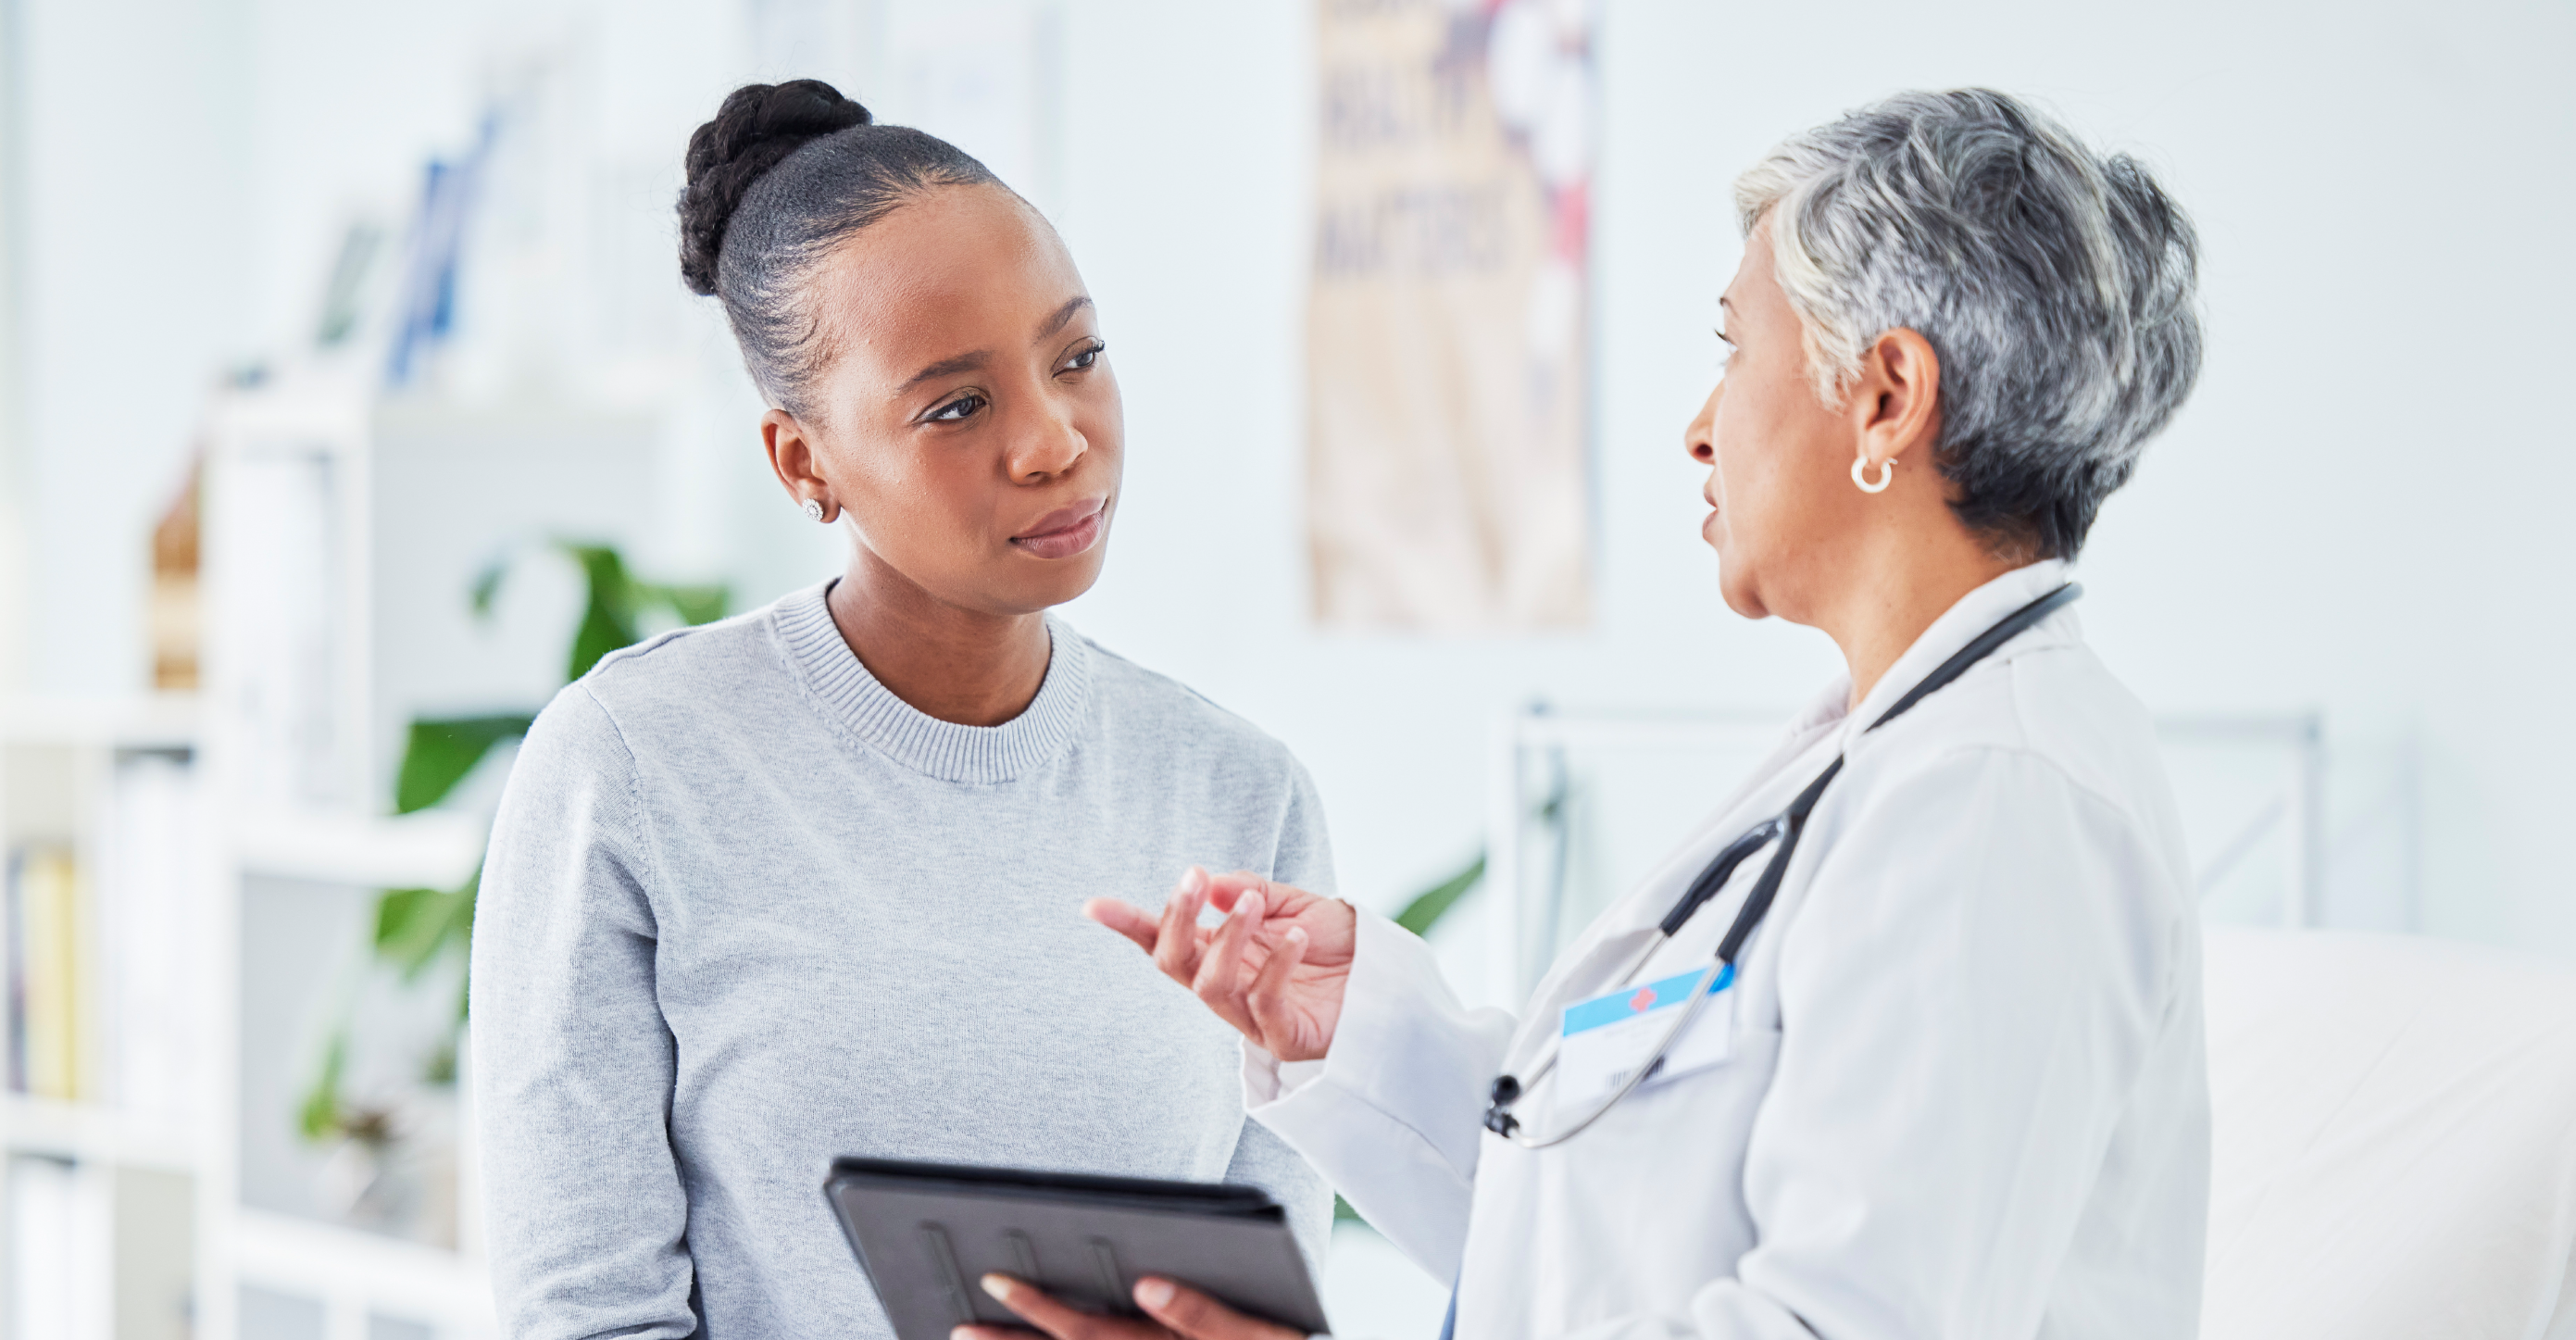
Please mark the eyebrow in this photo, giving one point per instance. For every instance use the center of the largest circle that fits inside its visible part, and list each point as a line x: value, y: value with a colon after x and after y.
x: 950, y: 367
x: 1064, y: 314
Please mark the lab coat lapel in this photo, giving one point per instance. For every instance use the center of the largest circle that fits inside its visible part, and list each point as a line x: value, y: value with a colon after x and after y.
x: 1961, y: 624
x: 1624, y: 929
x: 1629, y: 925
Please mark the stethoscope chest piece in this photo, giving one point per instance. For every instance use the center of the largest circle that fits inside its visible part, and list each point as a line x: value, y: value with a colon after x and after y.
x: 1498, y: 1106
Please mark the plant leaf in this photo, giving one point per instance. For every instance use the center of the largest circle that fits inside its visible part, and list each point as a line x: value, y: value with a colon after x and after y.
x: 693, y: 604
x: 487, y: 584
x: 321, y: 1116
x: 439, y: 753
x: 608, y: 617
x: 414, y: 927
x: 1433, y: 903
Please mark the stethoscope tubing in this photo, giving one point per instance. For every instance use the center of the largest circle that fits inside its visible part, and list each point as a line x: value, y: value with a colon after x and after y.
x: 1785, y: 828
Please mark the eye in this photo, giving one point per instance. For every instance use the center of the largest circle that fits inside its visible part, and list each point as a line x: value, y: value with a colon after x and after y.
x: 959, y: 410
x: 1085, y: 357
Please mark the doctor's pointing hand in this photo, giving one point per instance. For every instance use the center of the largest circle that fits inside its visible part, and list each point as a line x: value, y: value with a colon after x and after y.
x: 1904, y: 1042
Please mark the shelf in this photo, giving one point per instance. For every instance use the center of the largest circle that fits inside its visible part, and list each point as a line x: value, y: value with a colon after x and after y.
x: 89, y: 1133
x: 434, y: 849
x: 351, y: 1270
x: 143, y: 721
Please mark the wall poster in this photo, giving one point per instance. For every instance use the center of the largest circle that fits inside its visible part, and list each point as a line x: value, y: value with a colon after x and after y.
x: 1448, y: 377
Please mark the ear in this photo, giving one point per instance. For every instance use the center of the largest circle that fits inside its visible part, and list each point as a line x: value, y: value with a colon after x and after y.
x: 1897, y: 403
x: 792, y: 456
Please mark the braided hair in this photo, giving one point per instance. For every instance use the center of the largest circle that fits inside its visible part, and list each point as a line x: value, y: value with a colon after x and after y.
x: 782, y: 175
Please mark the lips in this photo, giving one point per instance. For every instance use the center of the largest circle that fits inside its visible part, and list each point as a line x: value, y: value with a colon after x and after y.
x: 1066, y: 531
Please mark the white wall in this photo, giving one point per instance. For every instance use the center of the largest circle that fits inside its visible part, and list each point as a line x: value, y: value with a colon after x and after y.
x: 135, y: 270
x: 2355, y: 513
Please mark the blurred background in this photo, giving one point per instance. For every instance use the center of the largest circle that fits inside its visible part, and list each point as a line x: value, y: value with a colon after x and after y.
x: 349, y: 403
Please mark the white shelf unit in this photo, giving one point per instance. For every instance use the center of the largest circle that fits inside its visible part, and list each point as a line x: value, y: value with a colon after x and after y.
x: 341, y: 535
x: 99, y: 1183
x: 142, y: 1237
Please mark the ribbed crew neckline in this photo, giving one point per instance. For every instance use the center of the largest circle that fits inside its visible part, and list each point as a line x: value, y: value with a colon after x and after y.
x: 982, y: 755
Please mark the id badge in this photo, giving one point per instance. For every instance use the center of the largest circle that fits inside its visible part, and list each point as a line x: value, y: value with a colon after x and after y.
x: 1607, y: 1037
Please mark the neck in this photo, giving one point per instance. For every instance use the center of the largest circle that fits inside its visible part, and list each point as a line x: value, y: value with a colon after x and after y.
x: 962, y: 666
x: 1898, y: 596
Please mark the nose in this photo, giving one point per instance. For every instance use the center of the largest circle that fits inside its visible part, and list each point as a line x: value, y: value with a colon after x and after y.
x: 1050, y: 448
x: 1700, y: 438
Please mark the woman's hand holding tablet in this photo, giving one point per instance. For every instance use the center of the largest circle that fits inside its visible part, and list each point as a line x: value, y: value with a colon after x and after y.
x: 1176, y: 1311
x: 1274, y: 968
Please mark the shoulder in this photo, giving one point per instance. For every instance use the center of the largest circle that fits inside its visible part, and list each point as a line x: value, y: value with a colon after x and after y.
x: 689, y: 680
x: 2048, y: 703
x: 2047, y: 751
x: 1145, y: 705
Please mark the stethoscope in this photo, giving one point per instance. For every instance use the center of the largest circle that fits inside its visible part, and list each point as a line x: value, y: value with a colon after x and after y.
x: 1782, y: 828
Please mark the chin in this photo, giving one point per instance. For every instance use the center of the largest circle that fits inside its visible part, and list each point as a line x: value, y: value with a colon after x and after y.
x: 1068, y: 583
x: 1737, y: 587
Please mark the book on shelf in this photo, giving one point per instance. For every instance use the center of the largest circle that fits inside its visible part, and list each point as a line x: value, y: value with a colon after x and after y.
x: 152, y: 918
x: 54, y: 1259
x: 104, y: 955
x: 47, y: 951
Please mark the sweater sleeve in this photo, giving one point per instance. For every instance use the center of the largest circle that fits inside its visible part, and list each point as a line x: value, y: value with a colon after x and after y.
x: 1305, y: 853
x: 1264, y: 1160
x: 572, y: 1059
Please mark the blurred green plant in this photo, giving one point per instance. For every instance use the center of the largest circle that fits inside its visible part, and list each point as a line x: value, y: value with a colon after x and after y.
x: 417, y: 929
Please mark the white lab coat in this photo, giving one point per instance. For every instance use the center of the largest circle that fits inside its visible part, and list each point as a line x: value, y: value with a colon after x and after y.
x: 1966, y: 1094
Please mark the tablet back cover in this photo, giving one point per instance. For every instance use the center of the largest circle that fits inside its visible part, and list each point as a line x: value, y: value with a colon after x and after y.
x: 925, y: 1233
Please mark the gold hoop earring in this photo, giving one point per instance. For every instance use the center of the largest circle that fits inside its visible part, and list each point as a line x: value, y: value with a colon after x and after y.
x: 1886, y: 475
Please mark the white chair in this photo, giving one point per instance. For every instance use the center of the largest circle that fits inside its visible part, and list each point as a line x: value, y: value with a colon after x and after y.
x: 2395, y: 1140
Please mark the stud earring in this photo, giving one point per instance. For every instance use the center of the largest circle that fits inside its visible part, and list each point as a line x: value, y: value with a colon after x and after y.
x: 813, y: 509
x: 1886, y: 475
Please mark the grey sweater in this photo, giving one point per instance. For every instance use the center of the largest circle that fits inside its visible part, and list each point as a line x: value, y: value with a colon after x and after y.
x: 745, y: 910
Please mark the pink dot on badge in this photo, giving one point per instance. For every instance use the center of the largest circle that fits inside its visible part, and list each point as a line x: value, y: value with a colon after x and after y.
x: 1643, y: 1001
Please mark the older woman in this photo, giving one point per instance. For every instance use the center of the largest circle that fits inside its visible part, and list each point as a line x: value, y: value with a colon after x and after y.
x: 1906, y: 1040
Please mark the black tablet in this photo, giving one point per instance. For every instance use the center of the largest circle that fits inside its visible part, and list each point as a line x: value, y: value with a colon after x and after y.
x: 926, y: 1232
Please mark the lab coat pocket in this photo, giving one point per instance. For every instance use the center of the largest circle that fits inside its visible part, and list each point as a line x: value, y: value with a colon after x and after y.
x: 1607, y: 1040
x: 1708, y: 1041
x: 1663, y: 1177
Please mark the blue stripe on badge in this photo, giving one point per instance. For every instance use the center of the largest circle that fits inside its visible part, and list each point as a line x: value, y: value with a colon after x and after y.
x: 1618, y: 1005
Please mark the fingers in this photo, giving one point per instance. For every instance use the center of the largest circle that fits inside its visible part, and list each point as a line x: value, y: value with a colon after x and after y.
x: 1176, y: 949
x: 1198, y: 1317
x: 1219, y: 981
x: 1130, y: 921
x: 1223, y: 889
x: 1038, y: 1309
x: 1267, y: 999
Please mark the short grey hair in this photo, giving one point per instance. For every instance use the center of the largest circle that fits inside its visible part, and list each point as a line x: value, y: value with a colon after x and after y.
x: 2055, y: 285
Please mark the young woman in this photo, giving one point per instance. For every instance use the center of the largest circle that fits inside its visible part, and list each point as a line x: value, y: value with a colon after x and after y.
x: 805, y: 883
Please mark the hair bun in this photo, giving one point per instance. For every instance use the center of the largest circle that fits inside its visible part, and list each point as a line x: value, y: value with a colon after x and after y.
x: 758, y: 125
